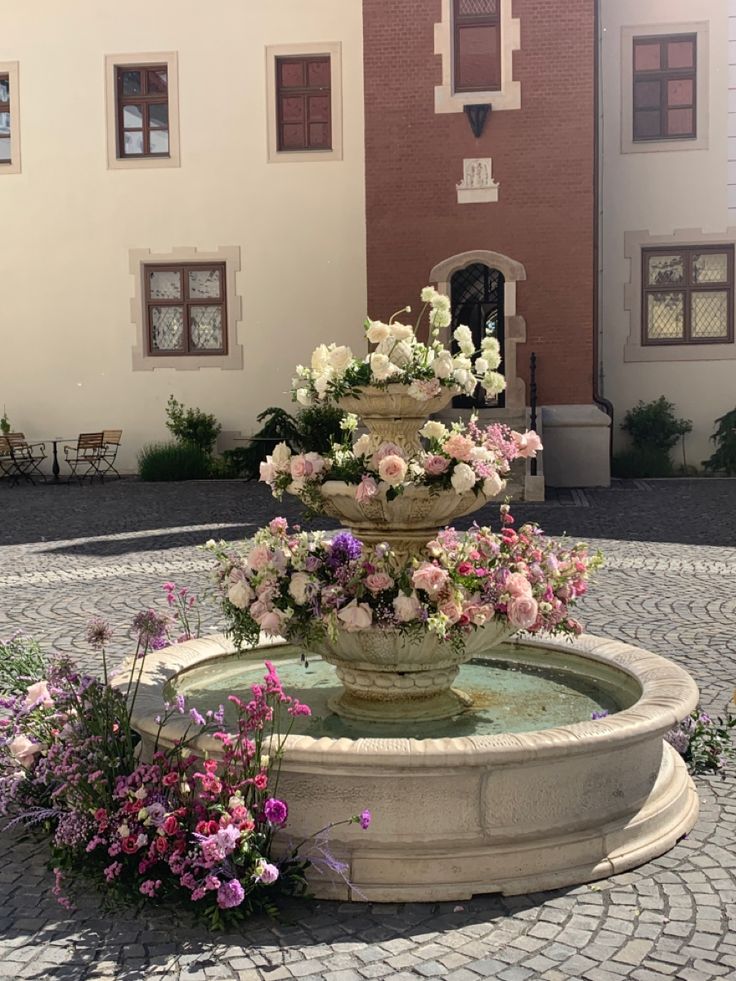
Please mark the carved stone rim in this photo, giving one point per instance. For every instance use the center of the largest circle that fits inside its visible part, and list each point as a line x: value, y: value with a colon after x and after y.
x: 669, y: 694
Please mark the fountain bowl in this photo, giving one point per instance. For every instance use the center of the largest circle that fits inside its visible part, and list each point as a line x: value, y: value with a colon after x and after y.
x: 513, y: 813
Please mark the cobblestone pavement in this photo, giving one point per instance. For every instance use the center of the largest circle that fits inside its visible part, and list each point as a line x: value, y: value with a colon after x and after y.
x: 669, y: 584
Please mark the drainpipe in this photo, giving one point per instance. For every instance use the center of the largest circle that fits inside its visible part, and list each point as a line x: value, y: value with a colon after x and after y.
x: 598, y: 398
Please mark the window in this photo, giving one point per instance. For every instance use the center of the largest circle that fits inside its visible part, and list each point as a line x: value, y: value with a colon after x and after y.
x: 142, y: 110
x: 688, y: 295
x: 303, y: 103
x: 665, y: 87
x: 5, y: 157
x: 185, y: 309
x: 477, y: 45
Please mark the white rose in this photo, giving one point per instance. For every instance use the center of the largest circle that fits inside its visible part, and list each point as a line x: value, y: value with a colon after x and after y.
x: 463, y: 478
x: 481, y: 366
x: 362, y: 445
x: 428, y: 294
x: 401, y: 332
x: 281, y: 456
x: 320, y: 383
x: 303, y: 397
x: 442, y: 366
x: 480, y: 453
x: 433, y: 430
x: 377, y: 332
x: 240, y: 594
x: 381, y: 367
x: 493, y: 485
x: 340, y: 358
x: 356, y: 616
x: 407, y: 608
x: 298, y: 587
x: 401, y: 354
x: 493, y: 383
x: 320, y: 359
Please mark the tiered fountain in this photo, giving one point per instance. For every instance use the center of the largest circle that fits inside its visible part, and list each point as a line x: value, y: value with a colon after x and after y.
x: 496, y: 779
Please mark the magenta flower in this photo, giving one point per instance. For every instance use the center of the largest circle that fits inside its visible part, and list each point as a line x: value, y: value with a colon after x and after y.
x: 230, y: 894
x: 276, y: 811
x: 365, y: 820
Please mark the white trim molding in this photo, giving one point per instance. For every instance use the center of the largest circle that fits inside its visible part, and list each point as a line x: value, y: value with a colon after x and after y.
x: 634, y: 350
x: 142, y: 359
x: 11, y: 69
x: 274, y: 51
x: 702, y: 79
x: 514, y: 326
x: 168, y: 58
x: 508, y: 97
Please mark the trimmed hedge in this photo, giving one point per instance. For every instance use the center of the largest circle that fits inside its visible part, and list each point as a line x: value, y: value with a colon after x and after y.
x: 173, y: 461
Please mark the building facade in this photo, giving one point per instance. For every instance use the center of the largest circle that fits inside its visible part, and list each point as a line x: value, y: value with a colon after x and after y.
x: 667, y: 194
x: 182, y: 208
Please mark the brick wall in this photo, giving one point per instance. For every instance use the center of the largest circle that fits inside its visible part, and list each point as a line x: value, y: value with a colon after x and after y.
x: 543, y: 158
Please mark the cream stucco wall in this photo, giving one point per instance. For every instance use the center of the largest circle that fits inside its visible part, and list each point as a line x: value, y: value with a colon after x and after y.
x: 69, y: 223
x: 657, y: 192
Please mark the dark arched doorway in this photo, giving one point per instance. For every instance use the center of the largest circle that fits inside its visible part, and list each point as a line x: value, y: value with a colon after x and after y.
x: 476, y: 294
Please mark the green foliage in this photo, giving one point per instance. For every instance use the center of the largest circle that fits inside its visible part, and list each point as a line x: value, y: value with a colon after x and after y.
x: 173, y: 461
x: 4, y: 422
x: 653, y: 426
x: 21, y: 663
x: 319, y: 428
x: 641, y: 462
x: 724, y: 438
x: 192, y: 426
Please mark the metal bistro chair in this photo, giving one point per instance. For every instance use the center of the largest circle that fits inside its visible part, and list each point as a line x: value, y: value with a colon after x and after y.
x: 84, y: 458
x: 110, y: 446
x: 21, y: 458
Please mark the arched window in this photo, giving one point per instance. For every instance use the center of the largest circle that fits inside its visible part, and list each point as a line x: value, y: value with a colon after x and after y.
x: 477, y: 295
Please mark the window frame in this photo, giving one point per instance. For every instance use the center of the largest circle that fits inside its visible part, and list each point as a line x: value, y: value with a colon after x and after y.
x: 304, y: 92
x: 459, y: 21
x: 11, y: 71
x: 687, y: 288
x: 183, y: 268
x: 663, y: 76
x: 5, y: 107
x: 134, y: 61
x: 143, y: 101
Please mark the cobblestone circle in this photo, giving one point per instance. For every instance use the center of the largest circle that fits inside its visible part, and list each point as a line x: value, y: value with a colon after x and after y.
x: 669, y: 584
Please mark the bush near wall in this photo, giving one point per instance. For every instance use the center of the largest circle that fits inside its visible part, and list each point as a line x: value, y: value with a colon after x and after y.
x: 173, y: 461
x: 654, y: 430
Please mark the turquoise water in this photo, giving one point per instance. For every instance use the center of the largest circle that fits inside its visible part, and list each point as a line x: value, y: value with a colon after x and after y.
x: 514, y: 689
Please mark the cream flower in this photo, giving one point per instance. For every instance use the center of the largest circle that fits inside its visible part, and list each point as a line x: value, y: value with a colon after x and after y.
x: 381, y: 367
x: 320, y: 359
x: 377, y: 332
x: 401, y: 332
x: 298, y: 587
x: 340, y: 359
x: 407, y: 608
x: 429, y: 294
x: 392, y: 469
x: 356, y: 616
x: 433, y: 430
x: 442, y: 366
x: 240, y: 594
x: 493, y: 383
x: 362, y: 445
x: 281, y: 456
x: 493, y: 485
x: 463, y: 478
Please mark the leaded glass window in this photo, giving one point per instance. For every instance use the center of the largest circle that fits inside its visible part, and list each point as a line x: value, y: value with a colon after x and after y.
x: 5, y: 153
x: 185, y: 308
x: 687, y: 295
x: 142, y: 101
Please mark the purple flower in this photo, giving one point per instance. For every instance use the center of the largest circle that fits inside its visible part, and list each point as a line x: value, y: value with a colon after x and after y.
x: 180, y: 703
x: 276, y: 811
x: 149, y: 625
x: 267, y: 873
x: 230, y: 894
x: 99, y: 632
x: 599, y: 714
x: 196, y: 717
x: 344, y: 548
x: 365, y: 819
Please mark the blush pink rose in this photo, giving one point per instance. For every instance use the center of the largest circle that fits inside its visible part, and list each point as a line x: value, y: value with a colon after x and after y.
x: 458, y: 446
x: 517, y: 585
x: 38, y: 694
x: 271, y: 623
x: 355, y: 616
x: 522, y: 612
x: 23, y: 750
x: 258, y: 557
x: 378, y: 582
x: 452, y: 610
x: 392, y: 469
x: 366, y: 489
x: 300, y: 467
x: 436, y: 465
x: 527, y: 444
x: 407, y: 608
x: 267, y: 471
x: 430, y: 578
x: 387, y: 449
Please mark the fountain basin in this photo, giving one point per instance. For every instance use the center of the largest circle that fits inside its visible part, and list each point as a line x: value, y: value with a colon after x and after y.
x: 511, y: 812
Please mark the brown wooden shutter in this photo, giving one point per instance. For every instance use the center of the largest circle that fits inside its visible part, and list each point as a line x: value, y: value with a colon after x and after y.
x: 304, y: 103
x: 477, y: 45
x: 665, y: 88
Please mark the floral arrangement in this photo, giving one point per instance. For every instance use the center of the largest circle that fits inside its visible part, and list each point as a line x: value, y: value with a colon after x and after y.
x: 464, y: 457
x: 703, y: 742
x: 400, y: 357
x: 176, y: 829
x: 304, y: 585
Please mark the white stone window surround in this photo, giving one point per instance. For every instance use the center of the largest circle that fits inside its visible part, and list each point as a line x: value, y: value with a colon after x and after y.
x: 168, y: 58
x: 142, y: 359
x: 509, y: 96
x: 11, y: 69
x: 634, y: 350
x: 702, y: 80
x: 514, y: 325
x: 273, y: 51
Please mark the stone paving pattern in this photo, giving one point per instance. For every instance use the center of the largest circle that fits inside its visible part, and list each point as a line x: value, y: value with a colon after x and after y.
x: 669, y: 584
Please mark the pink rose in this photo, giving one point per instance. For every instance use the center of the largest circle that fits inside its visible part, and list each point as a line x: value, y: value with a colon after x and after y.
x: 278, y: 526
x: 430, y: 578
x: 366, y: 489
x: 452, y: 610
x: 267, y: 471
x: 407, y: 608
x: 271, y: 623
x: 258, y: 557
x: 300, y: 467
x: 23, y: 750
x: 517, y: 585
x: 387, y: 449
x: 377, y: 582
x: 356, y: 616
x: 392, y: 469
x: 458, y: 446
x: 38, y: 695
x: 436, y: 465
x: 240, y: 594
x: 527, y: 444
x: 522, y: 612
x: 317, y: 462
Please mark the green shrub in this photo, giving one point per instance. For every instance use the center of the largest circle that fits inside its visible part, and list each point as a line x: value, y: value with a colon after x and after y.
x: 21, y: 663
x: 724, y: 457
x: 652, y: 425
x: 641, y: 462
x: 192, y: 426
x: 319, y: 428
x: 173, y: 461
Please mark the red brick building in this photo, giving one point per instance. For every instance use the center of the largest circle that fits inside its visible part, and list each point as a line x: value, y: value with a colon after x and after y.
x: 518, y: 199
